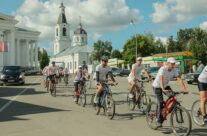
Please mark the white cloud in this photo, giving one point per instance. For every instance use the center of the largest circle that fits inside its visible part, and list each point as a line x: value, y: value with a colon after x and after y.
x: 163, y: 39
x: 178, y: 11
x: 203, y: 25
x: 98, y: 16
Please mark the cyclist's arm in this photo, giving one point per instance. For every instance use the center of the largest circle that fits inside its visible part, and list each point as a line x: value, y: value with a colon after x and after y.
x: 74, y: 76
x: 133, y: 73
x: 111, y: 76
x: 48, y: 71
x: 97, y: 77
x: 147, y: 74
x: 182, y: 84
x: 57, y: 72
x: 162, y: 84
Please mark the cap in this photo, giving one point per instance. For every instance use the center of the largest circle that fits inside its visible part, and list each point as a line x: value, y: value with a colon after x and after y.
x: 79, y: 66
x: 104, y: 58
x: 53, y: 62
x: 171, y: 60
x: 139, y: 58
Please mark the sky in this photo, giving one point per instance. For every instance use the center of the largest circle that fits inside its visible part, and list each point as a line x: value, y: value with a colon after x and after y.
x: 108, y: 19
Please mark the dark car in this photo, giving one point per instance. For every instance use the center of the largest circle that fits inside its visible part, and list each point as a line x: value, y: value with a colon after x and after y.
x: 193, y: 77
x: 121, y: 72
x: 12, y: 75
x: 152, y: 71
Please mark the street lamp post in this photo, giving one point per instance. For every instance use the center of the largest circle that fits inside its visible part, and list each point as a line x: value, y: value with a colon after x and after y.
x: 132, y: 23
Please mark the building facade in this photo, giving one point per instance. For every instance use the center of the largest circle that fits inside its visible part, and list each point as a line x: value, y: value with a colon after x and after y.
x: 22, y: 43
x: 69, y: 53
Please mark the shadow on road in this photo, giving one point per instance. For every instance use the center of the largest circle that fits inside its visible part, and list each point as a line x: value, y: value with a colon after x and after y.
x: 127, y: 116
x: 16, y: 109
x: 199, y: 132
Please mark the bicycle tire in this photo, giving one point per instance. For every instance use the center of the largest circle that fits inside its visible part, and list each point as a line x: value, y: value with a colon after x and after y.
x: 83, y: 98
x: 151, y: 115
x: 47, y: 85
x: 54, y: 91
x: 196, y: 113
x: 144, y: 101
x: 179, y: 111
x: 132, y: 104
x: 110, y: 105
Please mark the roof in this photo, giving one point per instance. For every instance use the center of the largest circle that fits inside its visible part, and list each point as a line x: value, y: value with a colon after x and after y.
x: 174, y: 54
x: 25, y: 30
x: 80, y: 30
x: 75, y: 49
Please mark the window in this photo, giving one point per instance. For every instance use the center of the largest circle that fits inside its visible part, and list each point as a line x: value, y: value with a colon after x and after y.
x: 64, y: 31
x: 70, y: 65
x: 82, y: 39
x: 57, y: 32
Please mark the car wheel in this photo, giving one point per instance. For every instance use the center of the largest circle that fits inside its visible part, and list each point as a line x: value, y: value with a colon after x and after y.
x: 189, y: 82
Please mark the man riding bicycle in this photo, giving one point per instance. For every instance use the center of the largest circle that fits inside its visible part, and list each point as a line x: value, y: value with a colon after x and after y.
x: 160, y: 85
x: 45, y: 75
x: 102, y: 71
x: 78, y: 79
x: 135, y: 74
x: 66, y: 73
x: 202, y: 86
x: 85, y: 71
x: 52, y: 72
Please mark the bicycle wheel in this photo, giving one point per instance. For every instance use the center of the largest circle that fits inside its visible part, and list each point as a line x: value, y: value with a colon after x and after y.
x: 83, y: 98
x: 180, y: 121
x: 109, y: 106
x: 151, y: 115
x: 144, y: 101
x: 127, y: 100
x: 47, y: 85
x: 54, y: 91
x: 132, y: 104
x: 196, y: 113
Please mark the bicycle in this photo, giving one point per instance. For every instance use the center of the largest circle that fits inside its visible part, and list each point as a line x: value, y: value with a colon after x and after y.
x: 196, y: 113
x: 106, y: 102
x: 81, y: 94
x: 47, y: 85
x: 66, y: 79
x: 141, y: 99
x: 177, y: 115
x: 53, y: 92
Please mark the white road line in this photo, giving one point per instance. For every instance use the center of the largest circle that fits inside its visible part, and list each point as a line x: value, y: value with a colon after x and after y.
x: 14, y: 98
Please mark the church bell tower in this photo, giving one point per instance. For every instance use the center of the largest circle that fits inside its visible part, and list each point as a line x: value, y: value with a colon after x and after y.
x: 62, y: 32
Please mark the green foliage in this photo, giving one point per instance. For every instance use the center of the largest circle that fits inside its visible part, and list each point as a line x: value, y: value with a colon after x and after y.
x: 101, y: 49
x: 44, y: 59
x: 116, y: 54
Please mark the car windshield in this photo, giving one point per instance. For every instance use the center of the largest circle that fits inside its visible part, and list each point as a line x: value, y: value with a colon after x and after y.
x: 12, y: 69
x: 153, y: 70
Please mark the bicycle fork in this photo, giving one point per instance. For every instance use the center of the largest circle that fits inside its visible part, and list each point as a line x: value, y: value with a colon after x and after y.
x: 179, y: 115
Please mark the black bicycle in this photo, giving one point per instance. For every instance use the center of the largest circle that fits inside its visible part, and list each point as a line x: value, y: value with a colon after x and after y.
x: 82, y: 95
x: 141, y: 99
x: 53, y: 91
x: 66, y: 79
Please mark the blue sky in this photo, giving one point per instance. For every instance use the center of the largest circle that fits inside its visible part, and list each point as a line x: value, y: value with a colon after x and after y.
x: 163, y: 19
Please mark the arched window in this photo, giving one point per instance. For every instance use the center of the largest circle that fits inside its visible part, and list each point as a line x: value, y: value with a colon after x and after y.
x: 56, y: 31
x: 64, y: 31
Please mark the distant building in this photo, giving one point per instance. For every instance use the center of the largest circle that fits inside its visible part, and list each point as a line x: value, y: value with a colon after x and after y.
x: 66, y: 53
x: 22, y: 43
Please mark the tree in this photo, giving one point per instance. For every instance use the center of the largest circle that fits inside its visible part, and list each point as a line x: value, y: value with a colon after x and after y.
x: 101, y: 49
x: 116, y: 54
x: 160, y: 48
x: 44, y: 59
x: 145, y: 47
x: 39, y: 54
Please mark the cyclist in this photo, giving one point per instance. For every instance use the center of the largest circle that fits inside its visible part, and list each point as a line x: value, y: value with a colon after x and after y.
x: 102, y: 71
x: 85, y: 71
x: 160, y: 85
x: 45, y: 73
x: 66, y: 73
x: 52, y: 72
x: 78, y: 79
x: 135, y: 74
x: 202, y: 86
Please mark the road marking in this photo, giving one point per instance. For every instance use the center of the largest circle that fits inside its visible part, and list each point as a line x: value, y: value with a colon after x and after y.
x: 14, y: 98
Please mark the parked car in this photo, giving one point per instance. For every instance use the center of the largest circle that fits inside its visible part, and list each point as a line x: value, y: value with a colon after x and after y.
x: 193, y: 77
x: 152, y: 71
x: 12, y: 75
x: 120, y: 72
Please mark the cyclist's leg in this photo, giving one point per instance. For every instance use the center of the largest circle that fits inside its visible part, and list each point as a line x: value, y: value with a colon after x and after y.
x: 203, y: 97
x: 100, y: 88
x: 159, y: 95
x: 76, y: 89
x: 132, y: 85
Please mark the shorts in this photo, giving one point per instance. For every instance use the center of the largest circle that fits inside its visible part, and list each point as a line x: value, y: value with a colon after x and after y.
x: 46, y: 77
x: 202, y: 86
x: 137, y: 83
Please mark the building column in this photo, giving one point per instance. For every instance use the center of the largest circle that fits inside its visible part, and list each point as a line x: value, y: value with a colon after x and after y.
x: 12, y: 48
x: 18, y: 52
x: 36, y: 54
x: 27, y: 53
x: 32, y: 54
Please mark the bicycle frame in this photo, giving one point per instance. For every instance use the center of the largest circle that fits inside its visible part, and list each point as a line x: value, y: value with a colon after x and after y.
x: 102, y: 98
x: 169, y: 105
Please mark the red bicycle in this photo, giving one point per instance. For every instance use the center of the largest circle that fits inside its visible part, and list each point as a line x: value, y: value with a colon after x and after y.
x: 180, y: 119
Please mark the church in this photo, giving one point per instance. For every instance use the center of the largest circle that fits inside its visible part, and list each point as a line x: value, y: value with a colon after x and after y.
x: 70, y: 53
x: 22, y: 44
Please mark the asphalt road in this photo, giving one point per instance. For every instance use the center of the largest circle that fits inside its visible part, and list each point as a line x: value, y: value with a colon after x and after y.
x: 30, y: 111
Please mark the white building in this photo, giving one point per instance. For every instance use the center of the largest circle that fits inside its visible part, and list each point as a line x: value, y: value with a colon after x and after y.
x: 67, y: 54
x: 22, y: 43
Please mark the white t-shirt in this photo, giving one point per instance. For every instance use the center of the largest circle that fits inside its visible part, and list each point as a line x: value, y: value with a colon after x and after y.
x: 167, y: 76
x: 46, y: 70
x: 66, y: 71
x: 53, y: 70
x: 103, y: 71
x: 203, y: 76
x: 79, y: 76
x: 137, y: 69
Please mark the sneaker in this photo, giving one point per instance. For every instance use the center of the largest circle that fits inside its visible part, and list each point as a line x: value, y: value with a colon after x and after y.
x: 205, y: 119
x: 131, y: 95
x: 95, y: 99
x: 75, y: 100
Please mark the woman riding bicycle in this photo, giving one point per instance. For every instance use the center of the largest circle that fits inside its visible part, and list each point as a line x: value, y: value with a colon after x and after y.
x: 160, y: 85
x: 202, y: 86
